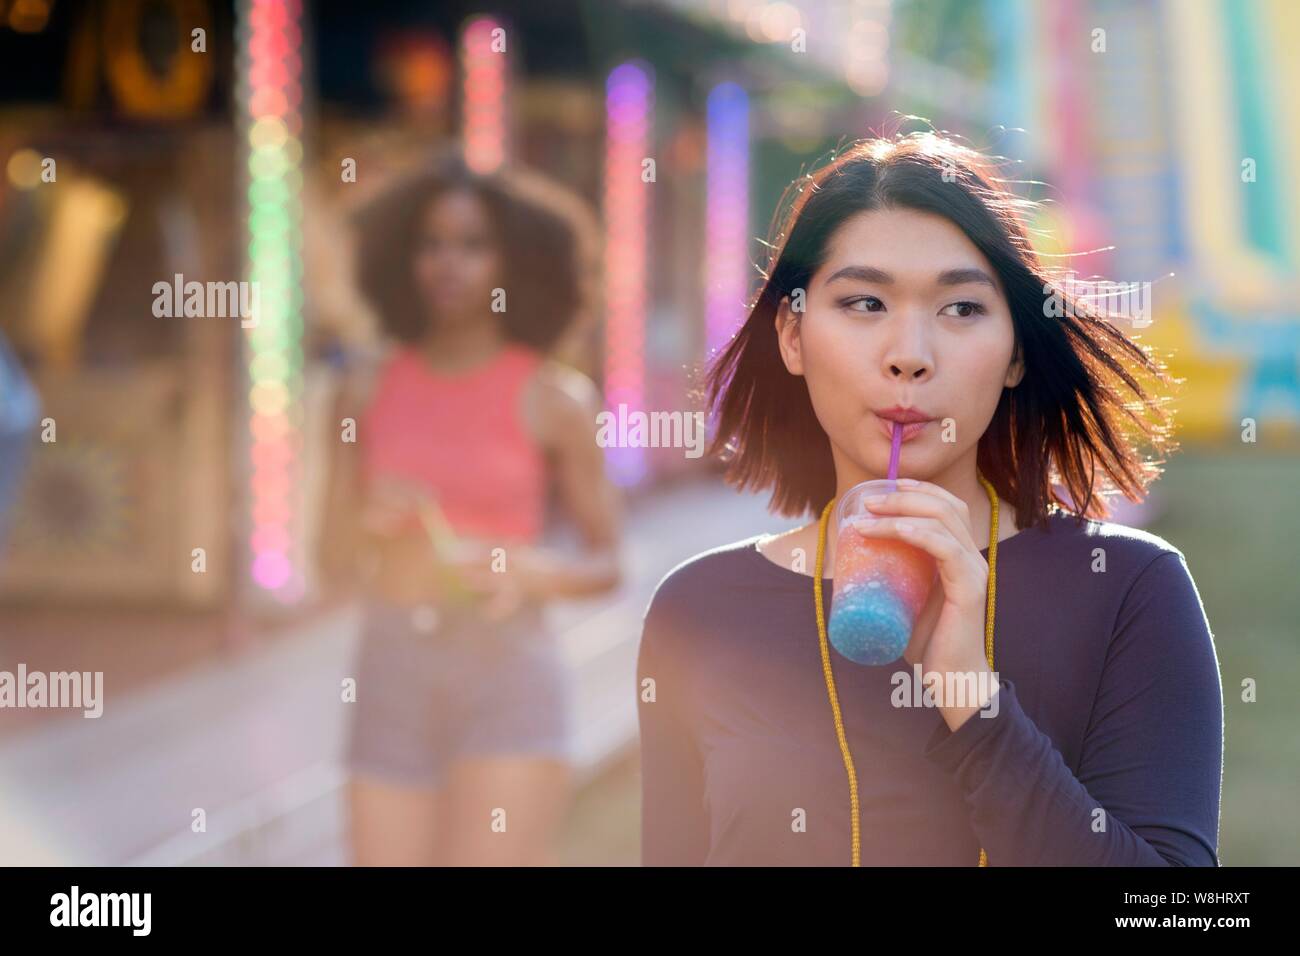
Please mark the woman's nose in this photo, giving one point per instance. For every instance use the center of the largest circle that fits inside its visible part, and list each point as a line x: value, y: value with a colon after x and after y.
x: 909, y: 370
x: 908, y: 357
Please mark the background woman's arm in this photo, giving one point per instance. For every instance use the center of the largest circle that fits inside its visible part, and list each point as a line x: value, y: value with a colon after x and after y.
x: 344, y: 543
x: 567, y: 403
x: 338, y: 538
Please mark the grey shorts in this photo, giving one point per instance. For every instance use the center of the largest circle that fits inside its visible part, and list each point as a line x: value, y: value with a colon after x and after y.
x: 432, y: 688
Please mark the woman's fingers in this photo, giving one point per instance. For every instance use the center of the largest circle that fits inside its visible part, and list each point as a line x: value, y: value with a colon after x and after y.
x: 940, y: 541
x: 381, y: 518
x: 958, y: 504
x: 391, y: 504
x: 918, y: 503
x: 964, y: 573
x: 400, y: 493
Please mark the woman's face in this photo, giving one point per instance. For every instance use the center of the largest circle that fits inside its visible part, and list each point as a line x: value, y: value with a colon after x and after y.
x: 456, y: 261
x: 905, y: 321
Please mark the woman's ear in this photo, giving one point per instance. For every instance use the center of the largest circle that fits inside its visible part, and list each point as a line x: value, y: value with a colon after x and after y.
x: 787, y: 337
x: 1016, y: 370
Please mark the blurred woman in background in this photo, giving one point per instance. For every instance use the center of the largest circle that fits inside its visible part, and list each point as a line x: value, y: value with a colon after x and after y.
x: 458, y: 743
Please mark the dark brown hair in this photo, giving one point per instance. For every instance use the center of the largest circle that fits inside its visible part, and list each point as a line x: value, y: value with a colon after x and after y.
x: 545, y: 234
x: 1086, y: 414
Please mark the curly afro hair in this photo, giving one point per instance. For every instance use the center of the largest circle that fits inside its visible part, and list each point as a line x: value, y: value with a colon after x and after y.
x: 545, y: 233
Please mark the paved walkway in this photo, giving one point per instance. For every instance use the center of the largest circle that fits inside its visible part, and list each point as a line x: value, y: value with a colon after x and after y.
x: 254, y: 739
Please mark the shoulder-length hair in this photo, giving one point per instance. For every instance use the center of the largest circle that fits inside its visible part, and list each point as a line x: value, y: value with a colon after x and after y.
x: 1085, y: 415
x: 546, y: 236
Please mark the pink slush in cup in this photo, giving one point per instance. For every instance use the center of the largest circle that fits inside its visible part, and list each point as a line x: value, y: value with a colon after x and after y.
x: 881, y: 584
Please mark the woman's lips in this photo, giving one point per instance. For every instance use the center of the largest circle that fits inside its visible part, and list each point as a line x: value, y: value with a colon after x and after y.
x: 910, y: 430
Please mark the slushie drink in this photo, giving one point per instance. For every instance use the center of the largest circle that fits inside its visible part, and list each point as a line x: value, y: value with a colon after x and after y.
x: 880, y: 586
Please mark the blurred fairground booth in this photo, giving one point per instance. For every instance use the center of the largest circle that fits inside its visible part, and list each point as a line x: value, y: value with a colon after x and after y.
x: 143, y: 141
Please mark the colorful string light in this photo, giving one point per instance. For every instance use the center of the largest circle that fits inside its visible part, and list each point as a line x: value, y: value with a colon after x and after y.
x: 483, y: 88
x: 727, y: 217
x: 629, y: 95
x: 272, y: 93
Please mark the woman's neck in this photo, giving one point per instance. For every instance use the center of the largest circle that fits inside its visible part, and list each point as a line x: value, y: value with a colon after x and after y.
x: 455, y: 347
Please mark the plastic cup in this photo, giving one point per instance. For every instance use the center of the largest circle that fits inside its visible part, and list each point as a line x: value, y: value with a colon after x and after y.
x: 881, y: 584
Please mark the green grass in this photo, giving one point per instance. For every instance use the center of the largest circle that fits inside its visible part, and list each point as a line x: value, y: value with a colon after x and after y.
x: 1234, y: 515
x: 604, y: 823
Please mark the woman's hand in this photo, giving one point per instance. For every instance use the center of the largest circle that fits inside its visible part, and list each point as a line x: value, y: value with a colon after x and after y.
x: 506, y: 576
x: 949, y: 633
x: 391, y: 506
x: 511, y: 573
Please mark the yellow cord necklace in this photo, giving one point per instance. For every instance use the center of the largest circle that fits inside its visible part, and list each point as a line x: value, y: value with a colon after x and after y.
x: 826, y: 656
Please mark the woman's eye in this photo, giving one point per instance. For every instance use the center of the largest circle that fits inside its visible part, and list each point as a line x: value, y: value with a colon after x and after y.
x: 970, y: 309
x: 870, y: 300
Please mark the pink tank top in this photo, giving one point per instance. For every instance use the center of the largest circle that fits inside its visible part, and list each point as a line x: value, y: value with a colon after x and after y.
x: 461, y: 436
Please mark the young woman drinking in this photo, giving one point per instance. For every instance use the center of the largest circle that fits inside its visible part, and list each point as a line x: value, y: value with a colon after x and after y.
x: 458, y: 742
x: 902, y: 289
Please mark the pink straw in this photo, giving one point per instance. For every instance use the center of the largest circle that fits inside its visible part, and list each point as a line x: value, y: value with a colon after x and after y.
x: 894, y: 451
